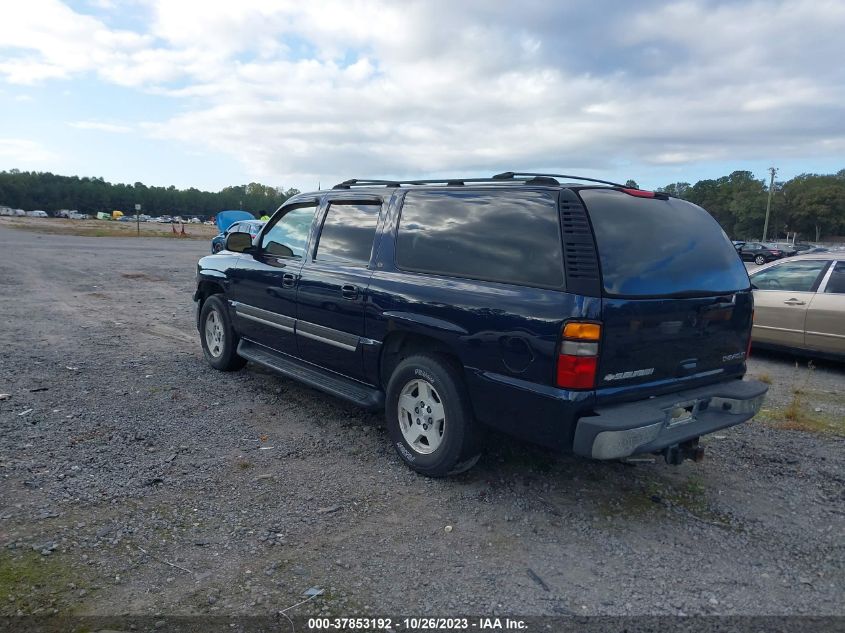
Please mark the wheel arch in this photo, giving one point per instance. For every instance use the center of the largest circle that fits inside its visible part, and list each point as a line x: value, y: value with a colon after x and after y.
x: 205, y: 288
x: 401, y: 344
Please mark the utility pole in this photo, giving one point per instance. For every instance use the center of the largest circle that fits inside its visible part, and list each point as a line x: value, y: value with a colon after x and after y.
x: 772, y: 171
x: 138, y: 219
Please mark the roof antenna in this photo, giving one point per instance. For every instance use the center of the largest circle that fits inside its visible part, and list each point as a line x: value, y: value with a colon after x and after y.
x: 318, y: 186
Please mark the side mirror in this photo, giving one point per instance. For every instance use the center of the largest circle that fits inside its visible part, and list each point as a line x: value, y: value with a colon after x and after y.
x: 238, y: 242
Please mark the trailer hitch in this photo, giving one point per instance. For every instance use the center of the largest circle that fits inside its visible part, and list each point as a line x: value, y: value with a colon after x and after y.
x: 678, y: 453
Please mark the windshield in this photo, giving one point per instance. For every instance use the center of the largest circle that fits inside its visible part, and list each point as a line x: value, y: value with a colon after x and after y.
x: 656, y: 248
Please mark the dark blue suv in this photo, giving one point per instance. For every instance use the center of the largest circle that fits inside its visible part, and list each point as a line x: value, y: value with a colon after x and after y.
x: 591, y: 317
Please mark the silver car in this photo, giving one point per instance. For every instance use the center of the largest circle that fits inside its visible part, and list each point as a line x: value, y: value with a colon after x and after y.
x: 799, y: 304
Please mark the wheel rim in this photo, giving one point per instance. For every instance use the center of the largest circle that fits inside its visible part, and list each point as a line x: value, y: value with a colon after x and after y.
x: 214, y: 334
x: 422, y: 417
x: 760, y: 260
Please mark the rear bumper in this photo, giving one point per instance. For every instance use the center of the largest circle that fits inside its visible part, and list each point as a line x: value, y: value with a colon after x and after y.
x: 648, y: 426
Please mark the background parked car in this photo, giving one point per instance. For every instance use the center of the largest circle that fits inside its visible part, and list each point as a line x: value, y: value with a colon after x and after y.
x: 253, y: 227
x: 800, y: 304
x: 759, y: 253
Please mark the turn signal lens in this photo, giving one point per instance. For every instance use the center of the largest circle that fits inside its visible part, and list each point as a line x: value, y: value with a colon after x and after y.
x: 582, y: 331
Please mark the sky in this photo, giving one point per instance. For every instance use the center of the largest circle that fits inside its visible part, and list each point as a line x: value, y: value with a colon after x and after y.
x: 207, y: 94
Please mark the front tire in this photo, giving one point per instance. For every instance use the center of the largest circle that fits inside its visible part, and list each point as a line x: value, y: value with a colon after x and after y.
x: 759, y: 260
x: 429, y: 418
x: 218, y: 337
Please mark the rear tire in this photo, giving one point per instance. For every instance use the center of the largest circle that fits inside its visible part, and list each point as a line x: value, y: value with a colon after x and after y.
x: 759, y: 260
x: 429, y: 418
x: 218, y: 337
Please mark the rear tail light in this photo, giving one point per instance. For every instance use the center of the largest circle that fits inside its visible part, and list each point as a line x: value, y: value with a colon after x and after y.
x: 577, y: 361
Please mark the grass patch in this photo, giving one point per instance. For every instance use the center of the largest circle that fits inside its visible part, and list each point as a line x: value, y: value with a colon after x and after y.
x: 766, y: 378
x: 243, y: 464
x: 34, y: 584
x: 797, y: 415
x: 687, y: 498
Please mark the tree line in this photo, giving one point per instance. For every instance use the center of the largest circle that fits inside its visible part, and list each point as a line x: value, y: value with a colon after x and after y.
x: 813, y: 205
x: 51, y: 192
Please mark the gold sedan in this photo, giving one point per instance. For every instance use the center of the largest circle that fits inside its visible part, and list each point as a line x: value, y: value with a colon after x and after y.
x: 799, y: 304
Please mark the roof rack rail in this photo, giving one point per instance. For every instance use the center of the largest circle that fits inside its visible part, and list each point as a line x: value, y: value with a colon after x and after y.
x: 525, y: 177
x: 514, y: 175
x: 367, y: 182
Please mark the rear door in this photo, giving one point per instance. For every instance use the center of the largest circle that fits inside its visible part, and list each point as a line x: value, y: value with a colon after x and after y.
x: 825, y: 324
x: 333, y: 285
x: 676, y: 301
x: 782, y: 295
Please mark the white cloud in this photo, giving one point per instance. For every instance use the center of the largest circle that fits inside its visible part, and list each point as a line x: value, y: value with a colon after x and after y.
x: 101, y: 126
x: 17, y: 152
x: 306, y: 91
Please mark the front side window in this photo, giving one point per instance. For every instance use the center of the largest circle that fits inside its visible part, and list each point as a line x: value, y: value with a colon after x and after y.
x: 505, y: 236
x: 288, y: 237
x: 792, y: 276
x: 836, y: 283
x: 348, y: 232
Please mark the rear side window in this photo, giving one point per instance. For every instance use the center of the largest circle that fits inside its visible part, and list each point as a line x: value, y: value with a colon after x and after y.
x: 505, y: 236
x: 797, y: 276
x: 653, y: 247
x: 348, y: 232
x: 836, y: 283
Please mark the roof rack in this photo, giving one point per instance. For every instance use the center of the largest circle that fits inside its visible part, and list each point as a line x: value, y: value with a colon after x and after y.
x: 525, y: 177
x: 518, y: 175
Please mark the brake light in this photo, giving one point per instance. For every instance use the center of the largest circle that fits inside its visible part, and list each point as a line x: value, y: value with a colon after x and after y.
x: 639, y: 193
x: 577, y: 361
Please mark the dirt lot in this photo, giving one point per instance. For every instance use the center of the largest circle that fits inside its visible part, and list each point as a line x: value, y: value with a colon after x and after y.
x: 137, y: 480
x: 108, y: 228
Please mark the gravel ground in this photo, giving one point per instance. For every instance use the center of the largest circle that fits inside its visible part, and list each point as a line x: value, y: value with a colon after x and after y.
x: 138, y: 480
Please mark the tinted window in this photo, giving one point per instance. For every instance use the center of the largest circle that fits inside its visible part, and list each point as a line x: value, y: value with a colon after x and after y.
x: 836, y: 283
x: 507, y: 236
x: 793, y: 276
x: 288, y: 237
x: 652, y: 247
x: 348, y: 232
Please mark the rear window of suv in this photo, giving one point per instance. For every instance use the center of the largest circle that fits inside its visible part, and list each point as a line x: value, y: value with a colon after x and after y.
x: 505, y: 236
x: 656, y: 248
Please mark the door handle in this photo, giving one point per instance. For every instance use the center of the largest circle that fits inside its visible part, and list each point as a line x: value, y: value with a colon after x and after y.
x: 795, y: 302
x: 349, y: 291
x: 288, y: 280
